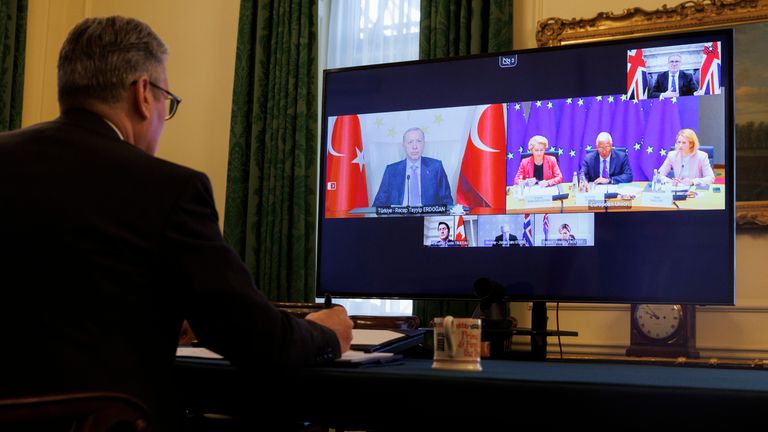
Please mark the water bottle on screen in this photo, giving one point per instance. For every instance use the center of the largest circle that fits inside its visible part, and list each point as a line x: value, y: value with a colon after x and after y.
x: 655, y: 186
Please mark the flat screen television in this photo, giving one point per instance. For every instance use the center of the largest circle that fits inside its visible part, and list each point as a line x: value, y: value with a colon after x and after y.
x: 432, y: 174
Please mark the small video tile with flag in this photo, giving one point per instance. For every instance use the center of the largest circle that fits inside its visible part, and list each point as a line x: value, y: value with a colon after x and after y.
x: 503, y: 231
x: 450, y: 231
x: 564, y: 229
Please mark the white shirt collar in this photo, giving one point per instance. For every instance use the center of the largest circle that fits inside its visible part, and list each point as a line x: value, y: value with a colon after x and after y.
x: 115, y: 128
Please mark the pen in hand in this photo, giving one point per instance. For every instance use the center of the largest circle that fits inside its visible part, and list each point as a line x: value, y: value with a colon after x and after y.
x: 328, y: 302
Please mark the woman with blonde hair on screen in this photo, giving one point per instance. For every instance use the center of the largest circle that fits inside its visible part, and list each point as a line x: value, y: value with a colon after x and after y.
x: 691, y: 165
x: 540, y: 168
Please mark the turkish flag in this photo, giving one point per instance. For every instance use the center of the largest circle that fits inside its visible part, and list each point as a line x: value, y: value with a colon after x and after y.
x: 346, y: 187
x: 483, y: 169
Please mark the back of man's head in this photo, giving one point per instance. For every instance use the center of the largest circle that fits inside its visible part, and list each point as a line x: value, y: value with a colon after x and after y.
x: 102, y: 56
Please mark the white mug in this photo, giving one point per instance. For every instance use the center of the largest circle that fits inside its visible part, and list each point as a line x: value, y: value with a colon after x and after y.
x: 457, y: 343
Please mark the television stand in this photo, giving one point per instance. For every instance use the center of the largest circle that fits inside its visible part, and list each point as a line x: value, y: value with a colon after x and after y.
x: 497, y: 335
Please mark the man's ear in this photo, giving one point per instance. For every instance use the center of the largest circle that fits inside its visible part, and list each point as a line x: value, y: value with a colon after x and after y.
x: 140, y: 97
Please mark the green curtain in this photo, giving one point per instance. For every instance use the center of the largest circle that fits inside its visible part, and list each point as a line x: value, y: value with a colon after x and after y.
x: 454, y: 28
x: 13, y: 36
x: 272, y: 173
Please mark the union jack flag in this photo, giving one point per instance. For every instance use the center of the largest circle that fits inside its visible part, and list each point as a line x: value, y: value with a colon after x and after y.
x: 527, y: 230
x: 709, y: 74
x: 637, y: 80
x: 545, y: 226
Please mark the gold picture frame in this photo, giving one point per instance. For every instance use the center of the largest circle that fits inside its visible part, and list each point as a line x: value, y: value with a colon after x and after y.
x: 689, y: 15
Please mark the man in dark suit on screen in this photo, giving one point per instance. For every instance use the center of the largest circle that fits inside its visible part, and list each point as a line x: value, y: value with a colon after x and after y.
x: 505, y: 239
x: 606, y: 165
x: 674, y: 82
x: 107, y: 249
x: 416, y: 180
x: 444, y: 234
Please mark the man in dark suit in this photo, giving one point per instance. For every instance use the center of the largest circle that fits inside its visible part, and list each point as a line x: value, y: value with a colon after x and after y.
x: 416, y: 180
x: 606, y: 166
x: 444, y: 234
x: 505, y: 238
x: 674, y: 82
x: 106, y: 249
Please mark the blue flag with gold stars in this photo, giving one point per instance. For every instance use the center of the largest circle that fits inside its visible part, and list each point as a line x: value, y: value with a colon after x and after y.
x: 515, y: 133
x: 573, y: 114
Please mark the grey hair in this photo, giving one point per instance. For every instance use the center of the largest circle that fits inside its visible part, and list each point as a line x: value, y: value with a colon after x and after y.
x: 604, y: 136
x: 102, y: 56
x: 414, y: 129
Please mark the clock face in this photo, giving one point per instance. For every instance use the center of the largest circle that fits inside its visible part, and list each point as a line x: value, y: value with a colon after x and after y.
x: 658, y: 321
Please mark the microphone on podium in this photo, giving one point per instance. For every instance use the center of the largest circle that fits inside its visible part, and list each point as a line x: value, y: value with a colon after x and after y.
x: 408, y: 189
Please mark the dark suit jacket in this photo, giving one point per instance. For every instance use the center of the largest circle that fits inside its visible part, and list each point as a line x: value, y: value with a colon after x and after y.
x: 104, y: 251
x: 619, y: 170
x: 686, y: 84
x: 434, y: 184
x: 500, y: 239
x: 448, y: 243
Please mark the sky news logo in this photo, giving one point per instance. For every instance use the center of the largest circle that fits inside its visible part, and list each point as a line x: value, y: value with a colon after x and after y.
x: 508, y: 61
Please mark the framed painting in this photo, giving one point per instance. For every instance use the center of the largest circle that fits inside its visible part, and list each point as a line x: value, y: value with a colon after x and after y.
x: 749, y: 18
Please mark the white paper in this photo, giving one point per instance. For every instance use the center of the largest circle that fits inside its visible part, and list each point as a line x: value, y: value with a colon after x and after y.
x: 542, y: 191
x: 373, y: 336
x: 657, y: 199
x: 197, y: 352
x: 362, y: 357
x: 628, y: 189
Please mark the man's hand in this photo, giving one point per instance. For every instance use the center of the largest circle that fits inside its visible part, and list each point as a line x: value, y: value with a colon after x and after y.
x: 337, y: 320
x: 602, y: 180
x: 669, y: 94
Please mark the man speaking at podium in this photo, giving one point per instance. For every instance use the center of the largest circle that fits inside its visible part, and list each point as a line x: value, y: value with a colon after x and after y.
x: 416, y: 180
x: 106, y: 249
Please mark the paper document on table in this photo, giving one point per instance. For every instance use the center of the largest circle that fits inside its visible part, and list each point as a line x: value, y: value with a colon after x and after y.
x: 605, y: 188
x: 629, y: 189
x: 366, y: 358
x: 373, y: 336
x: 543, y: 191
x: 359, y: 356
x: 197, y: 352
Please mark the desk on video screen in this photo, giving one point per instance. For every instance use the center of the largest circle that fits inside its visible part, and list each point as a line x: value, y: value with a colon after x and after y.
x: 705, y: 199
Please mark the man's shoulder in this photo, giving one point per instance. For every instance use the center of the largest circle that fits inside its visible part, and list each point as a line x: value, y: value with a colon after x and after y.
x: 430, y: 161
x: 397, y: 164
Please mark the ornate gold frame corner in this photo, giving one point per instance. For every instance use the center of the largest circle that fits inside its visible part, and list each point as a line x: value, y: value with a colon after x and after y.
x: 752, y: 214
x: 689, y: 15
x: 635, y: 21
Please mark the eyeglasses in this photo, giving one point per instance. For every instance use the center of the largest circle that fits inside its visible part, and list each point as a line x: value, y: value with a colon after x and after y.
x: 171, y: 101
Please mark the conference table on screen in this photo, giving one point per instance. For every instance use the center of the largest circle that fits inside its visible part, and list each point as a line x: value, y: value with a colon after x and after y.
x: 632, y: 197
x: 635, y: 196
x: 505, y: 392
